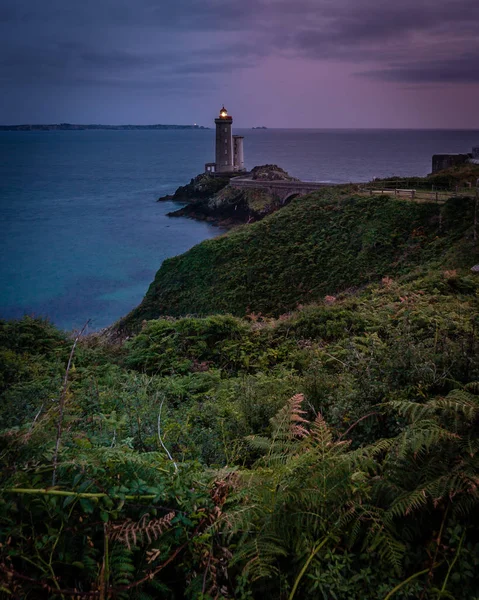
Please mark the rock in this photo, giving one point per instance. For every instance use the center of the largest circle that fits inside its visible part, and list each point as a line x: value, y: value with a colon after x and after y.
x: 475, y: 269
x: 212, y: 199
x: 270, y: 173
x: 200, y: 187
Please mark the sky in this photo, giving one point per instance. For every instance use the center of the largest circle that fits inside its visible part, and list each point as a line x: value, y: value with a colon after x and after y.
x: 273, y: 63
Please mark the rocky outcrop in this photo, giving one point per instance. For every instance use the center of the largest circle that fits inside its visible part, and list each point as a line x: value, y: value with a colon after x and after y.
x: 200, y: 187
x: 231, y: 206
x: 270, y: 173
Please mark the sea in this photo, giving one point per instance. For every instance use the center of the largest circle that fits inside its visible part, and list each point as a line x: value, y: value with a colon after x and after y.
x: 81, y: 233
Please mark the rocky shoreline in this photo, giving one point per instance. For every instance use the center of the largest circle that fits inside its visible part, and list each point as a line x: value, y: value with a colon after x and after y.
x: 212, y: 199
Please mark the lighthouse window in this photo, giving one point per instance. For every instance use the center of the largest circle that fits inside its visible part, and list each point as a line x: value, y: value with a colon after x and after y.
x: 226, y: 141
x: 226, y: 150
x: 226, y: 129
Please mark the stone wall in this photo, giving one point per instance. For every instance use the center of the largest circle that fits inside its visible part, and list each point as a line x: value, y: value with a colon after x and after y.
x: 445, y: 161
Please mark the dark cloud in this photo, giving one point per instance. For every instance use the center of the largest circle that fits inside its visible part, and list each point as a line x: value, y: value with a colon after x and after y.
x: 384, y: 32
x: 188, y: 15
x: 153, y: 42
x: 120, y: 59
x: 62, y: 65
x: 111, y: 42
x: 461, y: 69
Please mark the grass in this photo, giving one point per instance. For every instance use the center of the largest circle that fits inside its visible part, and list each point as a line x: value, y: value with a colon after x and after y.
x: 318, y: 245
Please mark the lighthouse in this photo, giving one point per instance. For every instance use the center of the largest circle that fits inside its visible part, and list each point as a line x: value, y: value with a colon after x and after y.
x: 224, y: 142
x: 229, y: 153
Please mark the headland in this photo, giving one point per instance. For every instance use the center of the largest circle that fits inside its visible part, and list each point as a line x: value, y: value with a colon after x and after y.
x: 242, y: 197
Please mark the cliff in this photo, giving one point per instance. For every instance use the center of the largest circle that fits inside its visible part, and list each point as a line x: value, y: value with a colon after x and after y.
x: 320, y: 244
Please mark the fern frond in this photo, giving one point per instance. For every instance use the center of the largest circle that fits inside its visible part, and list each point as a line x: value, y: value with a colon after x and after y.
x: 408, y: 503
x: 422, y: 436
x: 321, y: 434
x: 288, y: 421
x: 472, y: 387
x: 131, y: 533
x: 379, y: 447
x: 389, y: 548
x: 260, y: 554
x: 122, y: 566
x: 288, y: 428
x: 469, y: 446
x: 458, y: 402
x: 258, y: 442
x: 413, y: 411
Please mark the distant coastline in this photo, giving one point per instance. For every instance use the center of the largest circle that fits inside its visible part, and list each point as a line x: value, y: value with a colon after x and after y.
x: 75, y: 127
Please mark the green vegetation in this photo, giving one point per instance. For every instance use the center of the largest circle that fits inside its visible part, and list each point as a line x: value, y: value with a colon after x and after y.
x: 321, y: 244
x: 321, y: 451
x: 459, y: 176
x: 200, y: 187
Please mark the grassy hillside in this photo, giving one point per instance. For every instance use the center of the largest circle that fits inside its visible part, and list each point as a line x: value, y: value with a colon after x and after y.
x: 320, y: 244
x: 464, y: 175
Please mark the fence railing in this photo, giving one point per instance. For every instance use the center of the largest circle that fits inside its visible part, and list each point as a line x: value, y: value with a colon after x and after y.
x: 433, y: 194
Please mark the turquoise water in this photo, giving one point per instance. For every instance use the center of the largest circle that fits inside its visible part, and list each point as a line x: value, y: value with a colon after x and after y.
x: 82, y: 235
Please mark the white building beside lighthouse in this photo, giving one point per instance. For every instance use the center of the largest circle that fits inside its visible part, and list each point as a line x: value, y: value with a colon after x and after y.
x: 229, y: 153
